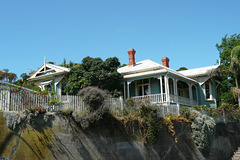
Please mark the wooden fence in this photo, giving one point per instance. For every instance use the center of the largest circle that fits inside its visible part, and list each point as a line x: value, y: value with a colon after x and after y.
x: 12, y: 100
x: 19, y: 101
x: 25, y: 99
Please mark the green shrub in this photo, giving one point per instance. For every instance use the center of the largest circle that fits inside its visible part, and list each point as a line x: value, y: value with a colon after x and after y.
x: 153, y: 127
x: 184, y: 111
x: 66, y: 111
x: 146, y: 115
x: 202, y: 131
x: 86, y: 118
x: 132, y: 108
x: 146, y: 111
x: 54, y: 99
x: 93, y: 96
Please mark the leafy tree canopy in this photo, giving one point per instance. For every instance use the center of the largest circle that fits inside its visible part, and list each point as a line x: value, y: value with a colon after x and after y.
x: 95, y: 72
x: 123, y: 65
x: 7, y: 76
x: 67, y: 65
x: 182, y: 69
x: 225, y: 72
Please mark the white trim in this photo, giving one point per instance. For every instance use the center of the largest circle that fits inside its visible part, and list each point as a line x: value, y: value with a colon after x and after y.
x: 46, y: 83
x: 155, y: 72
x: 161, y: 88
x: 190, y: 91
x: 128, y: 89
x: 58, y: 69
x: 50, y: 75
x: 124, y: 90
x: 167, y: 88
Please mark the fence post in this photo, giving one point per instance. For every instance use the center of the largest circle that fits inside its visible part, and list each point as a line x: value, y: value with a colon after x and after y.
x: 8, y: 100
x: 178, y: 109
x: 121, y: 102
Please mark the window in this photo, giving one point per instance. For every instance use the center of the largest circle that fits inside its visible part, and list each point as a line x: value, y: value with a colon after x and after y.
x: 208, y: 90
x: 171, y: 87
x: 143, y: 87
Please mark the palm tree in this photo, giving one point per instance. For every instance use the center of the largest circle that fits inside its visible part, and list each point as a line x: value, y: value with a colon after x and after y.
x: 235, y: 68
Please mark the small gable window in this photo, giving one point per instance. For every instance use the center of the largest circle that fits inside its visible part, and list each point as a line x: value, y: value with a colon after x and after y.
x: 208, y: 90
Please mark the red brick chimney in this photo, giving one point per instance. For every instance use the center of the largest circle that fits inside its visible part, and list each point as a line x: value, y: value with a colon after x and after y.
x: 131, y: 55
x: 165, y: 61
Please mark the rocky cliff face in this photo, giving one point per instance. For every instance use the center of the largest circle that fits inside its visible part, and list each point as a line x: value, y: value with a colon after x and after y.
x: 226, y: 141
x: 54, y: 136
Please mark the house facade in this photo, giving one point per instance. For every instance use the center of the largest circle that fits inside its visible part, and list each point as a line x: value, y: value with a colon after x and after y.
x: 50, y: 77
x: 149, y: 80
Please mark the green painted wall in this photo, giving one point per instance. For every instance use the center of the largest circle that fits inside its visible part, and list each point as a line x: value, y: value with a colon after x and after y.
x: 155, y: 86
x: 58, y: 88
x: 201, y: 96
x: 194, y: 93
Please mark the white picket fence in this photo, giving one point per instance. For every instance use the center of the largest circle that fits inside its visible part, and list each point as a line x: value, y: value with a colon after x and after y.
x: 164, y: 110
x: 20, y: 101
x: 25, y: 99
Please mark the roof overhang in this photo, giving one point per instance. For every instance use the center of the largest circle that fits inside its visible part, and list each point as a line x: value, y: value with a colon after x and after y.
x: 46, y: 83
x: 46, y: 76
x: 157, y: 72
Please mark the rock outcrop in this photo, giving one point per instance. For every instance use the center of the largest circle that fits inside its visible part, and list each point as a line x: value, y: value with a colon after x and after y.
x: 54, y: 136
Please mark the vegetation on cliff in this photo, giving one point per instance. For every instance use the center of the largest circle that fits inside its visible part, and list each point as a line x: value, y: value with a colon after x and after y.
x: 94, y: 98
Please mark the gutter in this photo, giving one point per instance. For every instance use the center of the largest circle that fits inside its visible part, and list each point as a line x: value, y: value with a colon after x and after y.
x: 155, y: 72
x: 46, y: 76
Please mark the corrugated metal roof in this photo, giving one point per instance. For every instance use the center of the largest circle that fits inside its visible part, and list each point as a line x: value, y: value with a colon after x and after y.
x: 198, y: 72
x: 148, y: 67
x: 141, y: 66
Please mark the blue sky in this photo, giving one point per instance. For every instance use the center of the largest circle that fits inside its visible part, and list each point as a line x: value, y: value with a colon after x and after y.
x: 186, y: 31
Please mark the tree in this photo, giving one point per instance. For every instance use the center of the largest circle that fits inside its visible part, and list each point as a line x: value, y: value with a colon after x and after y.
x: 69, y: 65
x: 182, y: 69
x: 95, y: 72
x: 5, y: 75
x: 235, y: 68
x: 224, y: 72
x: 123, y: 65
x: 11, y: 77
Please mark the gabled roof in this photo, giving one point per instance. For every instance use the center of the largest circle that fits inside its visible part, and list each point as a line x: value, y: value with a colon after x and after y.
x: 48, y: 70
x: 199, y: 72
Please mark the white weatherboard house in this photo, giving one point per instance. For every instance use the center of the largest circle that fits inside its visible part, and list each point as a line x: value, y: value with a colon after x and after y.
x: 51, y: 77
x: 149, y: 80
